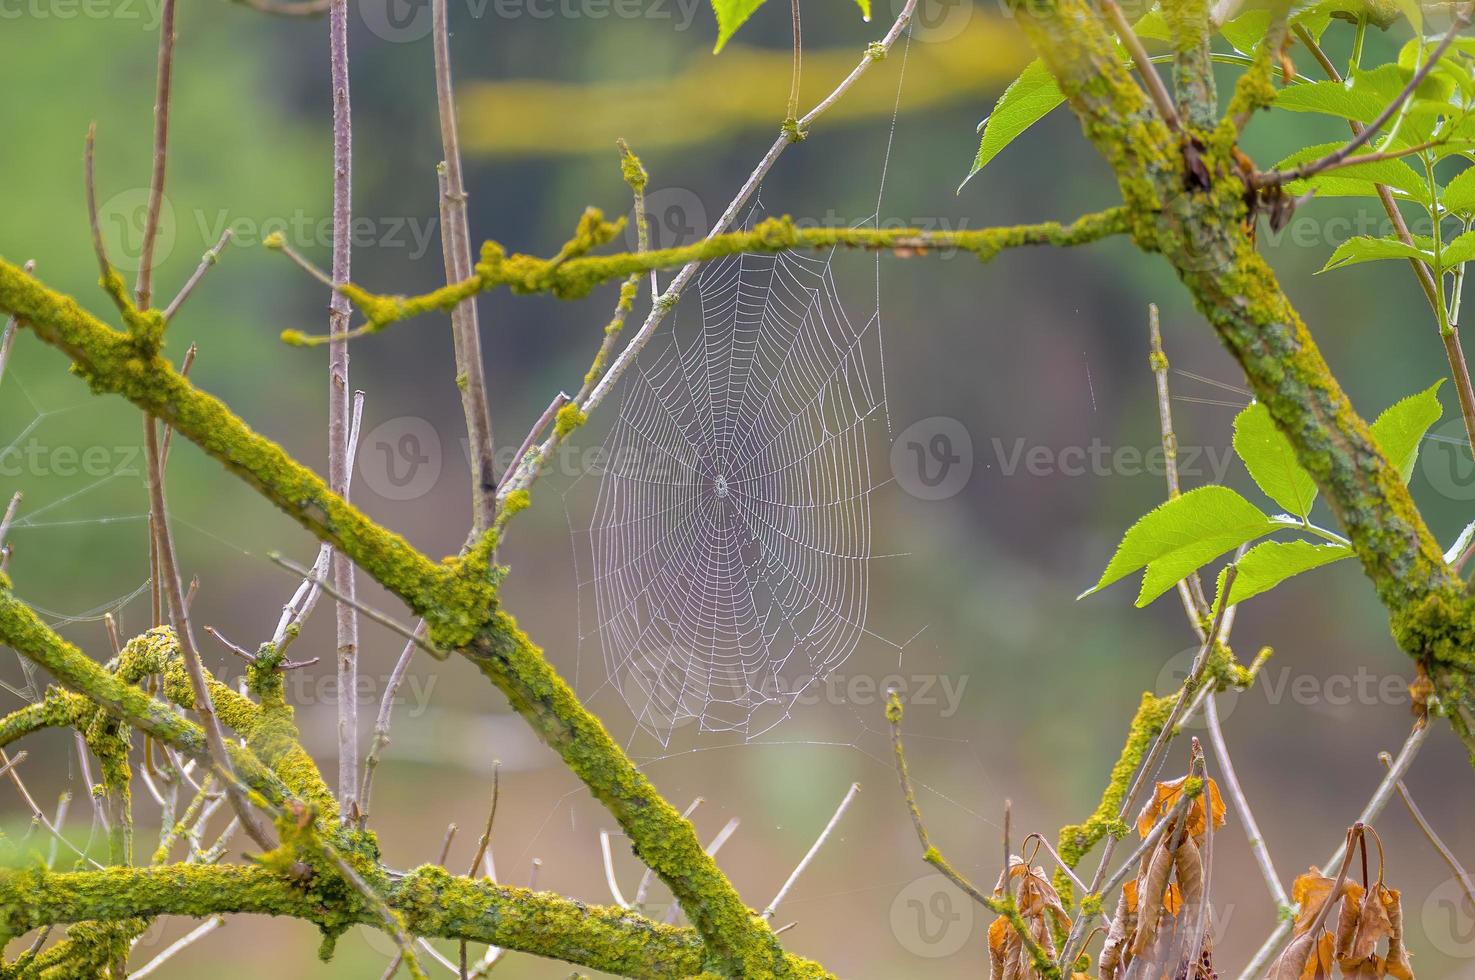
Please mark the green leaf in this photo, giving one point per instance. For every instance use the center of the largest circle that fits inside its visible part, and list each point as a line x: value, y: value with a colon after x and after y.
x: 1394, y: 173
x: 1027, y: 100
x: 732, y: 14
x: 865, y: 9
x: 1367, y: 96
x: 1270, y: 563
x: 1361, y: 248
x: 1182, y: 535
x: 1462, y: 249
x: 1268, y: 455
x: 1401, y: 427
x: 1460, y: 194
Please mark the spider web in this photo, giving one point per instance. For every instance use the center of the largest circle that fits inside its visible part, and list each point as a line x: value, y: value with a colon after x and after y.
x: 730, y: 542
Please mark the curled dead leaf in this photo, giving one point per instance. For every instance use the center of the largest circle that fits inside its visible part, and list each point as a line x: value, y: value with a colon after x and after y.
x: 1166, y: 795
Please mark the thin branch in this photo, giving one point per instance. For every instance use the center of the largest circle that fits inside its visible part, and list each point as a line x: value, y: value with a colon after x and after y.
x: 1188, y: 698
x: 174, y: 591
x: 380, y: 740
x: 813, y: 850
x: 1191, y: 589
x: 1151, y: 80
x: 207, y: 262
x: 369, y: 611
x: 298, y: 608
x: 486, y: 835
x: 1461, y: 875
x: 111, y: 284
x: 609, y: 871
x: 662, y: 304
x: 8, y: 518
x: 1406, y: 755
x: 1241, y: 804
x: 339, y: 468
x: 1340, y: 155
x: 1043, y: 963
x: 179, y: 945
x: 456, y: 246
x: 164, y: 86
x: 7, y: 768
x: 1133, y: 863
x: 12, y: 325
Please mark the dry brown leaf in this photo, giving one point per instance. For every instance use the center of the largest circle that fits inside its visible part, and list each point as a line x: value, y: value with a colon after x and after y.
x: 1291, y: 963
x: 998, y: 947
x: 1347, y: 918
x: 1165, y: 796
x: 1189, y: 864
x: 1151, y: 895
x: 1398, y: 964
x: 1122, y: 925
x: 1172, y: 898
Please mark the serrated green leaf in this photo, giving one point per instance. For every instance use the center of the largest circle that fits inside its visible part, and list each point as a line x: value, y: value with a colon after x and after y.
x: 1268, y: 455
x: 1361, y: 248
x: 1393, y: 173
x: 1401, y: 427
x: 1270, y: 563
x: 1460, y: 194
x: 1462, y: 249
x: 731, y: 14
x: 1027, y: 100
x: 1367, y: 95
x: 1181, y: 535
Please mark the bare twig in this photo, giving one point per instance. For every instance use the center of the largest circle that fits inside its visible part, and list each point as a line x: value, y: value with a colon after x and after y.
x: 1191, y: 690
x: 456, y: 246
x: 298, y: 608
x: 207, y: 262
x: 1242, y: 807
x: 184, y: 942
x: 486, y: 835
x: 367, y: 610
x: 339, y: 409
x: 813, y: 850
x: 1406, y: 755
x: 1461, y: 875
x: 1151, y: 80
x: 380, y: 740
x: 1340, y: 155
x: 7, y: 768
x: 609, y: 871
x: 666, y: 301
x: 1190, y: 589
x: 174, y: 591
x: 8, y: 518
x: 164, y: 86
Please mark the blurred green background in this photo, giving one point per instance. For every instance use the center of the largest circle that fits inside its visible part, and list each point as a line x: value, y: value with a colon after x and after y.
x: 1038, y: 349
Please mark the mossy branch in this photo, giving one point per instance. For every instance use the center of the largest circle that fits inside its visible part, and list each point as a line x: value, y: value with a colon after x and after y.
x: 430, y: 901
x: 1193, y: 211
x: 573, y: 273
x: 457, y: 598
